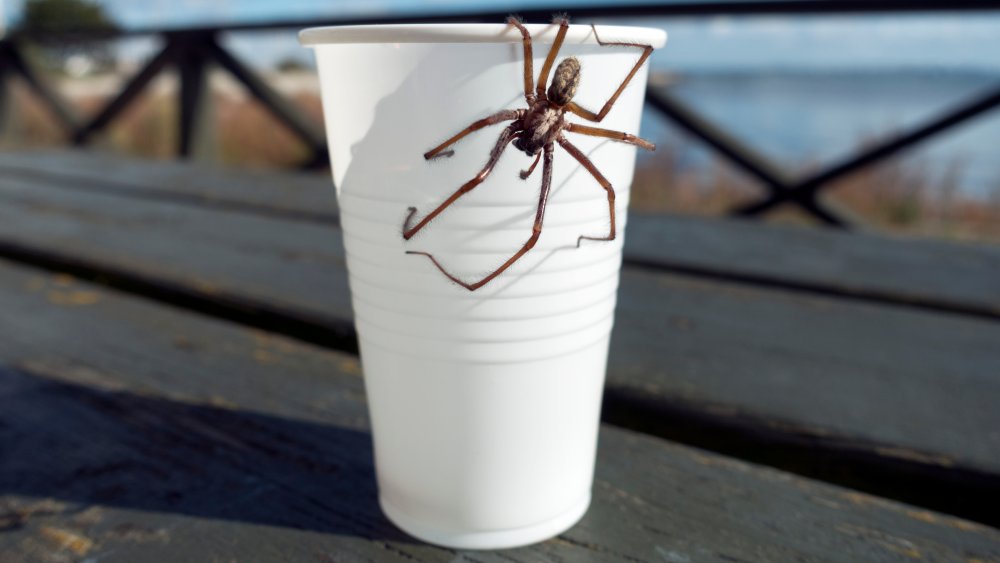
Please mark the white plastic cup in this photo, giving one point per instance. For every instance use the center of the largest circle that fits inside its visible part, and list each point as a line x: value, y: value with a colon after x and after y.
x: 484, y: 405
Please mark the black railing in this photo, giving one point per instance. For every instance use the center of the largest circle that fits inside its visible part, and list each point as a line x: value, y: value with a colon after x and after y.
x: 191, y: 51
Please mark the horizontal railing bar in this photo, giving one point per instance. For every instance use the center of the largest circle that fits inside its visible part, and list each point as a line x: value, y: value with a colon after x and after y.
x: 543, y: 14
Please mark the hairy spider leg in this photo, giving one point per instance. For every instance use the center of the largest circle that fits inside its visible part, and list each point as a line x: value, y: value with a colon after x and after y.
x: 503, y: 115
x: 529, y: 86
x: 543, y: 76
x: 620, y: 136
x: 582, y: 159
x: 525, y: 173
x: 597, y: 117
x: 508, y: 135
x: 536, y: 230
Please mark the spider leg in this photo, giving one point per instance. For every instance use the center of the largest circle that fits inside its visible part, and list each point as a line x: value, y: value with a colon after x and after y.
x: 536, y: 230
x: 582, y: 159
x: 529, y: 72
x: 525, y: 173
x: 543, y: 76
x: 597, y: 117
x: 505, y: 115
x: 610, y: 134
x: 506, y: 137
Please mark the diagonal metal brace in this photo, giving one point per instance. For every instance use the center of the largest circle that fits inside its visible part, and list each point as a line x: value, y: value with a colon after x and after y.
x: 276, y: 103
x: 12, y: 59
x: 778, y: 182
x: 807, y: 189
x: 134, y: 87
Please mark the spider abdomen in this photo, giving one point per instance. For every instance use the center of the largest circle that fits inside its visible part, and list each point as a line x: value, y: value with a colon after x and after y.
x: 564, y: 82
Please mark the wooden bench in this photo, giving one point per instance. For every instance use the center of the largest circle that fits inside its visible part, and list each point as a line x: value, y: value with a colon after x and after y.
x: 132, y: 427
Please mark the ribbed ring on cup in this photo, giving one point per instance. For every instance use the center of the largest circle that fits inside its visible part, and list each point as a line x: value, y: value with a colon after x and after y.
x: 428, y: 282
x: 495, y: 329
x: 479, y: 352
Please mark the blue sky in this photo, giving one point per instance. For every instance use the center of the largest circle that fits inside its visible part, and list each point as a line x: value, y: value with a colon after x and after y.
x: 951, y: 41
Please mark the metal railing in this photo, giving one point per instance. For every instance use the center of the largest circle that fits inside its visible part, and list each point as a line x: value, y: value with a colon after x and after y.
x: 192, y: 51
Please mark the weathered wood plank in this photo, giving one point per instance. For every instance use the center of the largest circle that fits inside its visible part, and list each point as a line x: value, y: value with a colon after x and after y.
x: 889, y: 399
x: 191, y: 246
x: 923, y: 273
x: 926, y: 273
x: 308, y: 197
x: 133, y: 432
x: 826, y: 363
x: 810, y: 363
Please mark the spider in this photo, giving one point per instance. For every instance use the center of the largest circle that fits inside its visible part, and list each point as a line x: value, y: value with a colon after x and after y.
x: 535, y: 131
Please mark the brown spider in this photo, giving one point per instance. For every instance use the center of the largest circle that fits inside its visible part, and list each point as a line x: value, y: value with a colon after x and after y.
x: 534, y: 131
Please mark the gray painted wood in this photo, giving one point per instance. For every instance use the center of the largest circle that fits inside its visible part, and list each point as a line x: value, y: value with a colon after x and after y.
x: 914, y: 382
x: 295, y: 195
x: 921, y: 272
x: 924, y: 272
x: 898, y: 383
x: 133, y: 432
x: 191, y: 245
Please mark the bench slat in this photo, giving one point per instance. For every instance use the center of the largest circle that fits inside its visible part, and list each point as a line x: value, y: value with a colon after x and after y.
x: 922, y: 273
x: 934, y: 274
x: 137, y: 432
x: 807, y: 362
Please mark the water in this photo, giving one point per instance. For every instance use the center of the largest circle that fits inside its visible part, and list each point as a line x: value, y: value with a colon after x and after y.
x: 802, y: 119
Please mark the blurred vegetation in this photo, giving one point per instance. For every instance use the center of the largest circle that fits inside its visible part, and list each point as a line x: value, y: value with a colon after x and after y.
x: 291, y: 64
x: 62, y: 34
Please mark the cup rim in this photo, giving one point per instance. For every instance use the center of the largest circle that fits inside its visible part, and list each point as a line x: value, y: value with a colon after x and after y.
x: 475, y: 33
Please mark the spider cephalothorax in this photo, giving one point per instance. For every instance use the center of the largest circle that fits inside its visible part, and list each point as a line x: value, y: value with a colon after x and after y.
x: 535, y: 131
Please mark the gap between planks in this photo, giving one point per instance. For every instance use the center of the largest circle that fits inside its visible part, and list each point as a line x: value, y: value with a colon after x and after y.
x: 915, y: 478
x: 859, y: 293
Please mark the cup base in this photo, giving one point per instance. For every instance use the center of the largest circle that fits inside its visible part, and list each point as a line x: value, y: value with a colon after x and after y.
x: 487, y: 539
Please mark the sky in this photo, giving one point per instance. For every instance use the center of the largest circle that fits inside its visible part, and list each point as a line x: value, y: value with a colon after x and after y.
x: 969, y: 41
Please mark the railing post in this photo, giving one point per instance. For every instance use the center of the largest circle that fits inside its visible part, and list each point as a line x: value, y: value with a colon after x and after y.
x: 196, y: 116
x: 5, y: 89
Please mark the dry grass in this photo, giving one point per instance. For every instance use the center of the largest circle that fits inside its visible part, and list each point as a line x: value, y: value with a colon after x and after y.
x: 245, y: 133
x: 898, y: 196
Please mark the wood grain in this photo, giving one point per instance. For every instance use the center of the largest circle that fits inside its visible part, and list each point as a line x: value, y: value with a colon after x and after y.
x: 134, y: 432
x: 938, y: 275
x: 846, y: 372
x: 304, y: 197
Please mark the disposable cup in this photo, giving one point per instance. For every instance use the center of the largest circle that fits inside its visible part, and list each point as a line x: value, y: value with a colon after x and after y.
x: 484, y: 404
